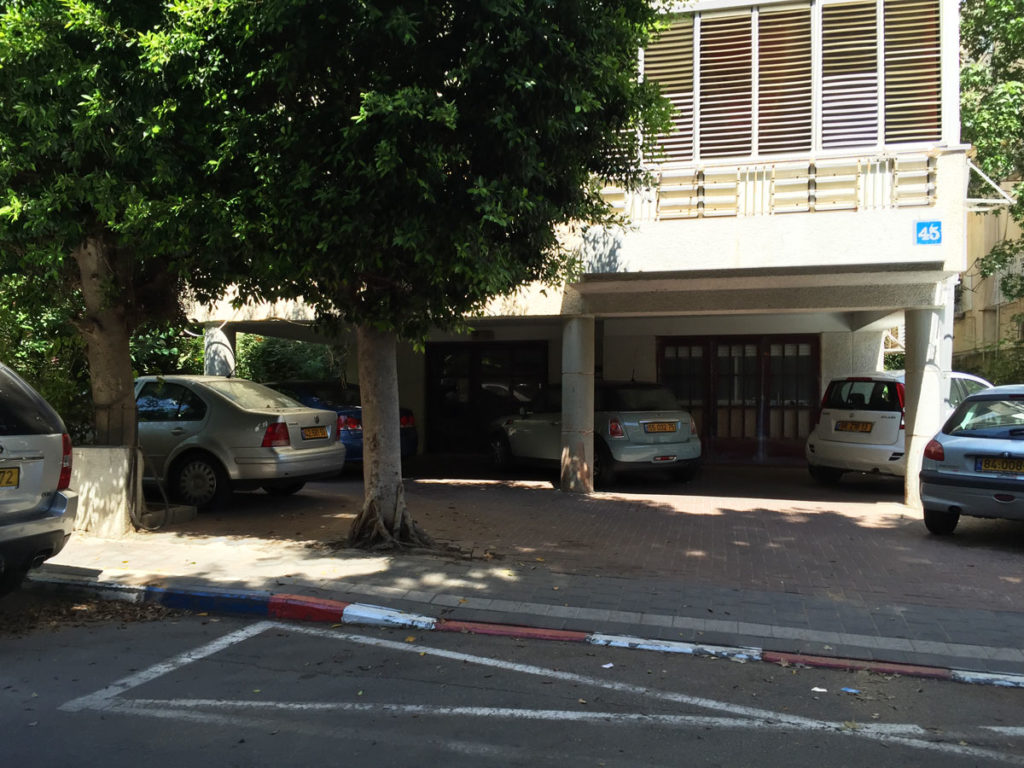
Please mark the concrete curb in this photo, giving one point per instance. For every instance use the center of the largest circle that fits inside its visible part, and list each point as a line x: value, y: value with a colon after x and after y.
x: 302, y: 608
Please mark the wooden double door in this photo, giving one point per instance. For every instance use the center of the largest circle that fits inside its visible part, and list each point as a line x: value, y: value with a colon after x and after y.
x: 753, y: 397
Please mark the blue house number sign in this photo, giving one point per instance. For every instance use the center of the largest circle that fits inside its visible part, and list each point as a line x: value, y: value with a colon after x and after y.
x: 928, y: 232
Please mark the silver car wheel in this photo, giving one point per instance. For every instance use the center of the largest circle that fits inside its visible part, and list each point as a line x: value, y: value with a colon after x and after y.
x: 199, y: 483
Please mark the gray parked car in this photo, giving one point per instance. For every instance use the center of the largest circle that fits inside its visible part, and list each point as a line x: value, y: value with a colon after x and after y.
x: 975, y: 464
x: 205, y: 436
x: 37, y: 509
x: 637, y: 427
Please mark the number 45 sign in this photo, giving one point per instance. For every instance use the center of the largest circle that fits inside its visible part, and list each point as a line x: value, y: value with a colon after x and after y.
x: 928, y: 232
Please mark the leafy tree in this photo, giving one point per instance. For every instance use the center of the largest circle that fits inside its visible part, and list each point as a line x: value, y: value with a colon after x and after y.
x: 103, y: 196
x: 992, y: 107
x: 398, y: 164
x: 267, y: 359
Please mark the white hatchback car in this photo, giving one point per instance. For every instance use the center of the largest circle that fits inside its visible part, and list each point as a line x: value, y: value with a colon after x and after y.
x: 861, y: 427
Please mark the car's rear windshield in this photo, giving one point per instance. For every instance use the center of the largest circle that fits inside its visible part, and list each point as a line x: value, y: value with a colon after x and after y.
x: 250, y: 395
x: 635, y: 398
x: 23, y: 411
x: 325, y: 395
x: 863, y: 395
x: 995, y: 417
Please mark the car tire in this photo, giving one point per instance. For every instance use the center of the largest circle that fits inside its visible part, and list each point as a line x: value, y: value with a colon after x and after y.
x: 285, y: 490
x: 501, y: 452
x: 200, y: 481
x: 604, y: 466
x: 825, y: 475
x: 941, y: 523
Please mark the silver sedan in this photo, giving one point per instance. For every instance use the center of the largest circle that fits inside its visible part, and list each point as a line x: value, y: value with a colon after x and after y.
x: 975, y: 465
x: 205, y: 436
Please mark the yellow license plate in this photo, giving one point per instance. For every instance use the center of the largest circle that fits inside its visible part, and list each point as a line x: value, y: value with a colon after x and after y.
x: 10, y: 477
x: 999, y: 464
x: 314, y: 433
x: 660, y: 426
x: 854, y: 426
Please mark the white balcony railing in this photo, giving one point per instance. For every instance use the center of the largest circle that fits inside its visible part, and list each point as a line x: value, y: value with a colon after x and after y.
x: 769, y: 188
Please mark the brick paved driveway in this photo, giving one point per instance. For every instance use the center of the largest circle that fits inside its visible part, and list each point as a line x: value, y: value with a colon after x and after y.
x: 762, y: 528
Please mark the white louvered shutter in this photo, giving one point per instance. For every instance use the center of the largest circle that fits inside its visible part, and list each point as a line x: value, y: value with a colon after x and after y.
x: 669, y: 62
x: 849, y: 109
x: 784, y: 81
x: 913, y: 92
x: 726, y: 86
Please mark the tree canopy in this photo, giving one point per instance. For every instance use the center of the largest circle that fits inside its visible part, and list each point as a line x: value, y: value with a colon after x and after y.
x: 398, y: 164
x: 992, y: 107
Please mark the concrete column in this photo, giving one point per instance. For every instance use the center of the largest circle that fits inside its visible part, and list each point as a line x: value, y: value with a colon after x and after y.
x: 578, y: 404
x: 928, y: 361
x: 218, y: 351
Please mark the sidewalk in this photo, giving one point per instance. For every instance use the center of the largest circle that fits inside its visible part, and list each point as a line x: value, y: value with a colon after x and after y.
x: 745, y: 557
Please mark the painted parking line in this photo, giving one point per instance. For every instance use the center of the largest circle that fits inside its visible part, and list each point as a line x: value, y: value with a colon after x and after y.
x: 727, y: 716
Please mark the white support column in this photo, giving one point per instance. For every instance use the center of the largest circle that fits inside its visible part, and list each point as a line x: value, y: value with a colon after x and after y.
x: 928, y: 361
x: 218, y: 351
x: 578, y: 404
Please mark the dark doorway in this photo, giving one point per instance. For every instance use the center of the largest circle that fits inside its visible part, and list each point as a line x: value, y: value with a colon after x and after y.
x: 753, y: 397
x: 471, y: 384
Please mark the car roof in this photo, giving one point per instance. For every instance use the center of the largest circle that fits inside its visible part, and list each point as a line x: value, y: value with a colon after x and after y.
x: 900, y: 375
x: 1004, y: 390
x: 176, y: 377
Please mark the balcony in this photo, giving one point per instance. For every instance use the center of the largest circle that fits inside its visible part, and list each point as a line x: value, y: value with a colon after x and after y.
x: 839, y: 183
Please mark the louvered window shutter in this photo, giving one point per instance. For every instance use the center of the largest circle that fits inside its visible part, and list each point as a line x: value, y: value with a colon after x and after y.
x: 849, y: 109
x: 726, y: 86
x: 784, y: 81
x: 913, y: 108
x: 669, y: 62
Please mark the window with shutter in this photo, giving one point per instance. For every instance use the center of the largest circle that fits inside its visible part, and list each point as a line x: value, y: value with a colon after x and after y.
x: 669, y: 62
x: 849, y: 86
x: 784, y: 81
x: 913, y: 107
x: 726, y: 86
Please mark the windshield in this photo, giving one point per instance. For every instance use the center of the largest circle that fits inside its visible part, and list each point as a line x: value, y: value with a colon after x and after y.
x: 252, y: 396
x: 991, y: 416
x: 636, y: 398
x: 861, y: 395
x: 22, y: 411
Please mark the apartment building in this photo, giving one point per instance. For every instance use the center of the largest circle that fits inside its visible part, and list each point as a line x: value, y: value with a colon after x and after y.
x: 810, y: 196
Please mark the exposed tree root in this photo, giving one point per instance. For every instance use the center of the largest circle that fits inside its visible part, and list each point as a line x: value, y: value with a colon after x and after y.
x: 370, y: 532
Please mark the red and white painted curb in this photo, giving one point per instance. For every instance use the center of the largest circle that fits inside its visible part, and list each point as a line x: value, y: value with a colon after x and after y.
x: 303, y: 608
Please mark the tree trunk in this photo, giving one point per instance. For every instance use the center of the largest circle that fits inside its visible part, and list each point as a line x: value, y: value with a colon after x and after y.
x: 105, y: 330
x: 384, y: 522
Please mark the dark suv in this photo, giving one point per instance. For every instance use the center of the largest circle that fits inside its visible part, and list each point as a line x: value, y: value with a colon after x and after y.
x: 37, y: 510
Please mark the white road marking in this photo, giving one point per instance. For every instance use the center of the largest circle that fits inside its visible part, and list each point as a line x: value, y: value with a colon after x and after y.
x: 738, y: 716
x: 98, y: 699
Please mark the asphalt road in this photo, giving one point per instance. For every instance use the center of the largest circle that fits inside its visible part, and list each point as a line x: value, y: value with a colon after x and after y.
x: 200, y: 690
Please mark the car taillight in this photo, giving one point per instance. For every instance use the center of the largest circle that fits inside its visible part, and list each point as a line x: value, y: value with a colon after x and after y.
x: 64, y: 481
x: 900, y: 392
x: 821, y: 406
x: 276, y: 435
x: 407, y: 420
x: 934, y: 451
x: 615, y: 428
x: 693, y: 426
x: 349, y: 422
